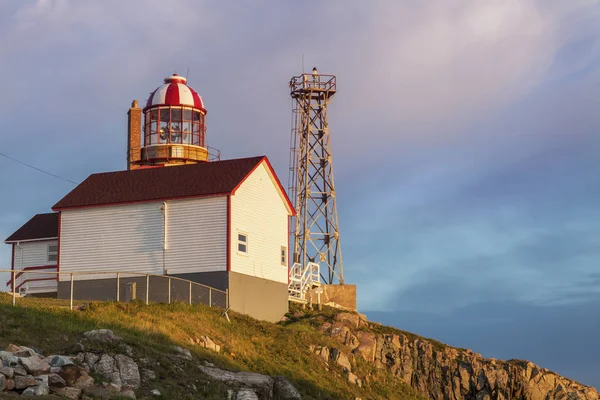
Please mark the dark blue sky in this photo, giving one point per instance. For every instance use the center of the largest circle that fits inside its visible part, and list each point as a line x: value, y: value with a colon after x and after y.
x: 465, y: 138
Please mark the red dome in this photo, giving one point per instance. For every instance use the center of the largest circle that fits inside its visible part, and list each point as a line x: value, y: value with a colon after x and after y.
x: 175, y: 92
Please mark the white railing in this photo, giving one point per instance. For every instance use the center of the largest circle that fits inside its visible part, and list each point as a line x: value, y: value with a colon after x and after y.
x: 113, y: 286
x: 302, y: 279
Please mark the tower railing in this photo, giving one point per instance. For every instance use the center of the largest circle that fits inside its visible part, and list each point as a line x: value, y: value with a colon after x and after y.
x: 312, y: 82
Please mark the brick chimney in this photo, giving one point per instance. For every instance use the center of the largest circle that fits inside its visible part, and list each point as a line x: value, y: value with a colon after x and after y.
x: 134, y: 135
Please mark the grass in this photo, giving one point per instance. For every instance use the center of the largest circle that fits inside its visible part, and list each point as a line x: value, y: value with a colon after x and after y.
x: 152, y: 330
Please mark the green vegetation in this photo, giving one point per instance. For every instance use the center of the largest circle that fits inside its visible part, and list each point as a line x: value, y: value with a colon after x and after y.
x: 246, y: 344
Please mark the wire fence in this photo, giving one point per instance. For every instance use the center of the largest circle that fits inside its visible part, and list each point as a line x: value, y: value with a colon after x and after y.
x: 111, y: 286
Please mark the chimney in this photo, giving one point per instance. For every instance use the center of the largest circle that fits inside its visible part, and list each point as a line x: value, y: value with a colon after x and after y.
x: 134, y: 135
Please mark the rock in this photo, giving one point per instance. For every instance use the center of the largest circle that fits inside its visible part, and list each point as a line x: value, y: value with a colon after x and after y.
x: 208, y: 343
x: 246, y: 394
x: 10, y: 384
x: 105, y: 366
x: 127, y: 392
x: 183, y: 353
x: 8, y: 359
x: 155, y: 392
x: 20, y: 370
x: 128, y: 369
x: 7, y: 371
x: 208, y: 364
x: 353, y: 379
x: 284, y: 390
x: 102, y: 335
x: 55, y: 380
x: 34, y: 365
x: 37, y: 390
x: 58, y: 361
x: 22, y: 382
x: 350, y: 319
x: 67, y: 392
x: 3, y: 382
x: 76, y: 376
x: 90, y: 359
x: 341, y: 359
x: 148, y: 375
x: 247, y: 379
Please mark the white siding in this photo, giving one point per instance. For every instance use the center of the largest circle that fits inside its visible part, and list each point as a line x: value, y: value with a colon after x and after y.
x: 258, y: 210
x: 112, y: 238
x: 35, y: 254
x: 130, y: 238
x: 197, y: 235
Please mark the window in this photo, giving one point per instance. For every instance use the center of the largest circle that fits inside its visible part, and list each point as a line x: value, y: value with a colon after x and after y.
x: 284, y: 256
x: 52, y: 253
x: 242, y: 243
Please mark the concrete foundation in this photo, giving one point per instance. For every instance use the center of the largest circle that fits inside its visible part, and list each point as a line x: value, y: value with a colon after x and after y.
x: 256, y: 297
x: 343, y: 295
x: 259, y: 298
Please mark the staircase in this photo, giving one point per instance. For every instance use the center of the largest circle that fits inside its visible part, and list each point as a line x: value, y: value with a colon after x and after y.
x: 302, y: 279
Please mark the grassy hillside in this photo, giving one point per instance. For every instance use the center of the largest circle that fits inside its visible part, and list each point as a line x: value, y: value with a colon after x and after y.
x: 247, y: 344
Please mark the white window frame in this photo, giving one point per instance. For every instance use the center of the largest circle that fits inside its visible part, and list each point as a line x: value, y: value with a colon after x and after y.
x: 50, y: 253
x: 284, y: 256
x: 242, y: 242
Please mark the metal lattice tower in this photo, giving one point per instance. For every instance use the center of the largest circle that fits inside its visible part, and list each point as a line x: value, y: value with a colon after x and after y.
x: 315, y: 228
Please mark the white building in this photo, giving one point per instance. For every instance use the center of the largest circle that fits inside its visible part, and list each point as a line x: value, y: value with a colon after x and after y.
x: 175, y: 212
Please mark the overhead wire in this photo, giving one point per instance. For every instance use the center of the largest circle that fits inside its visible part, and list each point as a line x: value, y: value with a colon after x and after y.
x: 38, y: 169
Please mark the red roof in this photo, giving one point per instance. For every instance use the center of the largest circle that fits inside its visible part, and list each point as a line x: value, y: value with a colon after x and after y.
x: 41, y: 226
x: 153, y: 184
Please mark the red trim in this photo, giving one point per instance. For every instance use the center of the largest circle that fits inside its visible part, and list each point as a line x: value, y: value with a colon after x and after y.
x: 172, y: 95
x: 58, y: 247
x: 141, y: 201
x: 12, y: 268
x: 288, y: 249
x: 34, y: 280
x: 31, y: 269
x: 228, y: 233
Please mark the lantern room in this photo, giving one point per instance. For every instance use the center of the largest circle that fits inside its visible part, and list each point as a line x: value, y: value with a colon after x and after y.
x: 173, y: 128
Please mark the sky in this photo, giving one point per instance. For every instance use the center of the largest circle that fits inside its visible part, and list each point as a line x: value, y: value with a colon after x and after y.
x: 465, y: 137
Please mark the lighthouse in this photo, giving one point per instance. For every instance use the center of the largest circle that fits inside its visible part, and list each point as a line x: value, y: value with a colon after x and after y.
x: 173, y: 130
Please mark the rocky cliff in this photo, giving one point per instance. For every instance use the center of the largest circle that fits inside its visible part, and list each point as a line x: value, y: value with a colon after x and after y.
x: 438, y: 371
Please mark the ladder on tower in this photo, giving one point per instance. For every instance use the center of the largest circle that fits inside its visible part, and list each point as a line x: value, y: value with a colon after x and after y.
x: 303, y: 279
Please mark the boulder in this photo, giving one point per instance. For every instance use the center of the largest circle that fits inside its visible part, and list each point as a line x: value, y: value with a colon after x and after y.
x: 38, y: 390
x: 10, y: 384
x: 127, y: 392
x: 58, y: 361
x: 182, y: 353
x: 349, y: 319
x: 105, y: 366
x: 155, y: 392
x: 284, y: 390
x: 128, y: 370
x: 7, y: 371
x: 19, y: 370
x: 55, y: 380
x: 246, y: 394
x: 34, y: 365
x: 208, y: 343
x: 246, y: 379
x: 3, y: 382
x: 149, y: 374
x: 67, y: 392
x: 8, y: 359
x: 23, y: 382
x: 102, y: 336
x: 76, y: 376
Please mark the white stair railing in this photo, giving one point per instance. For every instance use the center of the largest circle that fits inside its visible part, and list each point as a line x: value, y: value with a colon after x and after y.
x: 302, y: 279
